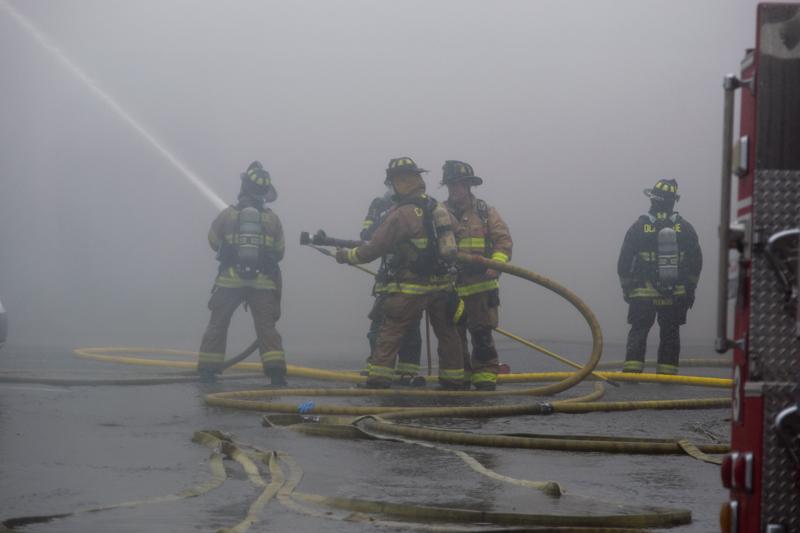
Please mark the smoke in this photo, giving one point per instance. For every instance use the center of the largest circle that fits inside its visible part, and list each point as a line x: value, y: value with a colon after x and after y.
x: 566, y: 111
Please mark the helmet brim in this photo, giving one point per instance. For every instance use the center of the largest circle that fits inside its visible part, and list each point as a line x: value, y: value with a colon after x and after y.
x: 267, y: 192
x: 472, y: 181
x: 271, y: 195
x: 416, y: 172
x: 657, y: 195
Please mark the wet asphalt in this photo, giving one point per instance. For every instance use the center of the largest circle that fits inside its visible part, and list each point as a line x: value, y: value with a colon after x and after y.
x: 67, y: 448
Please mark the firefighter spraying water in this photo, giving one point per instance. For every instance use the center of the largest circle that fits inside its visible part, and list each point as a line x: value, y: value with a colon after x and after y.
x: 248, y: 239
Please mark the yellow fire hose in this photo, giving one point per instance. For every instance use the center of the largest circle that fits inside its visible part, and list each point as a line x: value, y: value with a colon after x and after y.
x: 379, y: 421
x: 425, y: 517
x: 545, y: 282
x: 537, y: 442
x: 542, y: 349
x: 108, y: 354
x: 283, y: 487
x: 566, y: 381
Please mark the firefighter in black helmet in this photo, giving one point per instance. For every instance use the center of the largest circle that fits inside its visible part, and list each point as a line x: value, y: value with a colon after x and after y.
x: 416, y: 237
x: 248, y: 239
x: 659, y: 266
x: 480, y: 230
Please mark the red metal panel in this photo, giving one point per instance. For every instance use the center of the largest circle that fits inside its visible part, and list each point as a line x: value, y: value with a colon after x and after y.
x: 748, y: 420
x: 746, y: 436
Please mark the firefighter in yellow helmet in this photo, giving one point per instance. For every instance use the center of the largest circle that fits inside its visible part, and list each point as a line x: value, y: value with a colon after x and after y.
x: 248, y: 239
x: 481, y: 231
x: 659, y: 267
x: 416, y: 278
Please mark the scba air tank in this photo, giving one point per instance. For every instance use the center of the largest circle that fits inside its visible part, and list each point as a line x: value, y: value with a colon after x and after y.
x: 444, y: 232
x: 667, y: 258
x: 248, y: 242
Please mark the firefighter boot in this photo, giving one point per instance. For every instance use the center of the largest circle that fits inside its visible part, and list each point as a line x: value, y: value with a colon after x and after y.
x: 372, y: 383
x: 635, y: 349
x: 451, y: 385
x: 410, y: 380
x: 641, y: 317
x: 277, y: 377
x: 484, y: 360
x: 208, y: 372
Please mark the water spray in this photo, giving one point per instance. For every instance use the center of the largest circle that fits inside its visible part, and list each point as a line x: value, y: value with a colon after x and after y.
x: 190, y: 176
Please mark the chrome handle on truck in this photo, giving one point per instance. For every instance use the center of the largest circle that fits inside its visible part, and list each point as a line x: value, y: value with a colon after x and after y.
x: 722, y: 343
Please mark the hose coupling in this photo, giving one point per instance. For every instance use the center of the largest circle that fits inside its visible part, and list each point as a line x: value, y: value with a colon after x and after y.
x: 547, y: 408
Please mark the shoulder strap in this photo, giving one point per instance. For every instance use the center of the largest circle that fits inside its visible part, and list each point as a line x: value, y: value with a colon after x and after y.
x: 425, y: 202
x: 482, y: 209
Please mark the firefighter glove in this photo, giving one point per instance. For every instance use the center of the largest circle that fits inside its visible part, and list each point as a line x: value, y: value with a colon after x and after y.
x: 626, y: 289
x: 342, y: 255
x: 690, y: 297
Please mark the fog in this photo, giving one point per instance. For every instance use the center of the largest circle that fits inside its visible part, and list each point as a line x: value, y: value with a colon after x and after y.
x: 566, y: 109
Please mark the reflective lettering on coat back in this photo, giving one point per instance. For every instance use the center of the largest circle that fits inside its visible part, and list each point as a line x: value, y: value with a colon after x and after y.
x: 649, y: 228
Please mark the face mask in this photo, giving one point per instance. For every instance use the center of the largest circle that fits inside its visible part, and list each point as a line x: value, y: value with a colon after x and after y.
x: 661, y: 206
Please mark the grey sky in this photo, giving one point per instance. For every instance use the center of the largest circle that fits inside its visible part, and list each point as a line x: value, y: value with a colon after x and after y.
x: 567, y: 109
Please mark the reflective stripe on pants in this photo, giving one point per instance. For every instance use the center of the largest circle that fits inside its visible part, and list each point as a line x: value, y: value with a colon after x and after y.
x: 264, y: 306
x: 641, y: 317
x: 481, y: 319
x: 402, y: 311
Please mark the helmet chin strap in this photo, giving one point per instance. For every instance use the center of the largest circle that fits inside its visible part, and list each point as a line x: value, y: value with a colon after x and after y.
x: 658, y: 205
x: 248, y: 199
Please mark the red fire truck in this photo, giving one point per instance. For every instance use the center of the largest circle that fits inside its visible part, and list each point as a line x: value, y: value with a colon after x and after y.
x: 763, y: 469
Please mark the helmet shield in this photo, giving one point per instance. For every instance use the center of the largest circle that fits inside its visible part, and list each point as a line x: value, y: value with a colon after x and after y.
x: 664, y: 191
x: 454, y: 171
x: 402, y: 165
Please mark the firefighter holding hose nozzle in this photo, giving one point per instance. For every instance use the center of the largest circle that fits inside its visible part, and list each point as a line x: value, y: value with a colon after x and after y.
x: 659, y: 267
x: 248, y: 239
x: 408, y: 368
x: 416, y: 238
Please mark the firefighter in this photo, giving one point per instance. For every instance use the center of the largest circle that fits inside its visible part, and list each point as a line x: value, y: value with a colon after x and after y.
x: 407, y: 369
x: 415, y: 276
x: 480, y: 231
x: 659, y: 267
x: 248, y: 239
